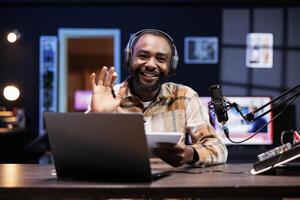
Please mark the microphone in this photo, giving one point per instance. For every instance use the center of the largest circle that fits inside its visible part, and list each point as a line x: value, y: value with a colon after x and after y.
x: 219, y: 106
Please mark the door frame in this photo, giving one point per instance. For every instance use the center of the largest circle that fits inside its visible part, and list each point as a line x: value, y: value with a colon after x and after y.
x: 66, y: 33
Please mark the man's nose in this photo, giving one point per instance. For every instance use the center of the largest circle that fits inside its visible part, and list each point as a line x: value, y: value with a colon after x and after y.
x: 151, y: 63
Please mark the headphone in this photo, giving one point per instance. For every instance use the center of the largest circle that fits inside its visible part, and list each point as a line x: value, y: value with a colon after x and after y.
x: 129, y: 48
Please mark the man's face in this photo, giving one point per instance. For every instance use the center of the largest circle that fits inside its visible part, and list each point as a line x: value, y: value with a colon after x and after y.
x: 150, y: 63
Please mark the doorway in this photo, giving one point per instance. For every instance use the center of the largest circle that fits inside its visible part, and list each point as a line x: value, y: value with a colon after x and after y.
x: 83, y: 51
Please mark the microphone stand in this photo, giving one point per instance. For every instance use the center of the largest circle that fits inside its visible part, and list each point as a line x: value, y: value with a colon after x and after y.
x: 280, y: 155
x: 283, y: 154
x: 251, y: 116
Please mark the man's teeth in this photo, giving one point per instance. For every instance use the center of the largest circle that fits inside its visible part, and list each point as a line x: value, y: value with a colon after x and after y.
x: 148, y: 74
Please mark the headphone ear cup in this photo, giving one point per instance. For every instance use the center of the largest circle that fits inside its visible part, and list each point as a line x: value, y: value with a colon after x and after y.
x: 127, y: 54
x: 173, y: 65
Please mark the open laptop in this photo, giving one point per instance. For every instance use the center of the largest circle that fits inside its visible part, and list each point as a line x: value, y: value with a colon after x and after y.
x: 106, y: 146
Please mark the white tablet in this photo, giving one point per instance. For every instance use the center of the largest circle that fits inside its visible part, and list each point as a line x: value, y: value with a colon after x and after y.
x: 154, y: 137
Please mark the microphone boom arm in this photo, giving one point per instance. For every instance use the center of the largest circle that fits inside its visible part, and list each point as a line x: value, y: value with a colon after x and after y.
x: 220, y: 105
x: 251, y: 116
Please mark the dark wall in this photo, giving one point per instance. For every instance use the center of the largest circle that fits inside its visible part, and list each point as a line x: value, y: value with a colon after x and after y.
x: 19, y: 62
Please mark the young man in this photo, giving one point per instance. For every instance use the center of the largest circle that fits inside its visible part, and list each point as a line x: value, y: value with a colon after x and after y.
x: 151, y: 57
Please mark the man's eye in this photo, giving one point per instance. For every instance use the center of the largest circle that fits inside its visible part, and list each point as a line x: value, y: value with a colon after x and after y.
x: 142, y: 56
x: 162, y: 60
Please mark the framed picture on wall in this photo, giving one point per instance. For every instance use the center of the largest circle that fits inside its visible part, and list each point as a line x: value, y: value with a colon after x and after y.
x: 201, y: 50
x: 259, y: 52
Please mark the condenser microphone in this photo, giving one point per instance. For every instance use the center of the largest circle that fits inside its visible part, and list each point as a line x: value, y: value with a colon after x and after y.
x: 219, y: 106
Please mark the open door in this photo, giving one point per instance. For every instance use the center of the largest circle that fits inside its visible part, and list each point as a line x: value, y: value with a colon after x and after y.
x: 81, y: 52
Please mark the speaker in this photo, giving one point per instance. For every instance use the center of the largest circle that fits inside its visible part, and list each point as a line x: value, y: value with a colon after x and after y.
x: 129, y: 48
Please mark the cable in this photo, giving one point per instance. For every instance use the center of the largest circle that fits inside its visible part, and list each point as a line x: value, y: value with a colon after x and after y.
x: 285, y: 107
x: 283, y: 133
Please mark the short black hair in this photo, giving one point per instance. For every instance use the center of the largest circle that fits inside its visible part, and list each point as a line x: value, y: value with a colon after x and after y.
x: 155, y: 33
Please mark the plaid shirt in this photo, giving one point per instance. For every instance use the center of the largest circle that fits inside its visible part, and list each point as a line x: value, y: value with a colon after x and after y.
x: 178, y: 108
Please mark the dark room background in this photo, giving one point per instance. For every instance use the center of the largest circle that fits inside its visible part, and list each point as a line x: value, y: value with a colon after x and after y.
x: 229, y: 22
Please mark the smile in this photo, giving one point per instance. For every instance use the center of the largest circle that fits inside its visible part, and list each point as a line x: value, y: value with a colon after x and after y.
x: 149, y: 74
x: 148, y: 77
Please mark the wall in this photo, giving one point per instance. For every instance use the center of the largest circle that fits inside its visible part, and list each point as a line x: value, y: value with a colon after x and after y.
x: 236, y: 78
x: 19, y: 62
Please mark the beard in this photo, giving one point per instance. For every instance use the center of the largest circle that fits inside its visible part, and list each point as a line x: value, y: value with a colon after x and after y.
x: 146, y: 87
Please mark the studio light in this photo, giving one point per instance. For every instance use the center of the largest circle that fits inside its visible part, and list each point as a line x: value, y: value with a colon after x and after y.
x: 13, y: 36
x: 11, y: 93
x: 12, y: 115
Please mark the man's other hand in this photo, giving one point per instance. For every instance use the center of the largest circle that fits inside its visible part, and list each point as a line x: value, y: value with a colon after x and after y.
x: 173, y: 154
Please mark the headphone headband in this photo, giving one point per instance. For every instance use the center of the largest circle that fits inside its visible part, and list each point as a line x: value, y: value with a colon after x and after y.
x: 129, y: 48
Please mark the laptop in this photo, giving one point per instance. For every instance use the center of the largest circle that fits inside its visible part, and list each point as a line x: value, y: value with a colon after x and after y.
x: 106, y: 146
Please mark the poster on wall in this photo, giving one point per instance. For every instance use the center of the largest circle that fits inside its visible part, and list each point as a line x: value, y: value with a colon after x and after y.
x: 259, y: 53
x: 48, y: 78
x: 201, y: 50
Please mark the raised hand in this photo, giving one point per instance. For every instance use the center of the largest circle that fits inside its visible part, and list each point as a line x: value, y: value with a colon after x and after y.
x: 102, y: 96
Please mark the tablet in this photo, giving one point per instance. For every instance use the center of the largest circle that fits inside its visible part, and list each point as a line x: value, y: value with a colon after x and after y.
x: 154, y: 137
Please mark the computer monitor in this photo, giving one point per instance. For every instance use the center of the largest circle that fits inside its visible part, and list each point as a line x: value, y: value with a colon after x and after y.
x: 82, y: 99
x: 239, y: 129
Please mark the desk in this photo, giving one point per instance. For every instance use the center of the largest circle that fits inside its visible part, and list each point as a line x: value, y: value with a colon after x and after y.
x: 8, y: 131
x: 21, y: 181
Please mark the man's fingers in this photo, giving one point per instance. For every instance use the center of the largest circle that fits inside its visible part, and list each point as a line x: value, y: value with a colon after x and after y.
x: 168, y: 150
x: 102, y: 75
x: 166, y: 144
x: 169, y: 147
x: 122, y: 90
x: 108, y: 78
x: 171, y: 159
x: 113, y: 79
x: 93, y: 81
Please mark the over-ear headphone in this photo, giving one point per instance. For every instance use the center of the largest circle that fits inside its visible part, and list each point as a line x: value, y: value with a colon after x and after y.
x: 129, y: 48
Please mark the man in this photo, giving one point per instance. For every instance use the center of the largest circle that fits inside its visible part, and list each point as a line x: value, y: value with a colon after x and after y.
x: 151, y: 57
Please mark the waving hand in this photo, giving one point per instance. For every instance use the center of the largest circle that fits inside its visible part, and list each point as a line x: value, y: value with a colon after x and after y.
x: 103, y: 99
